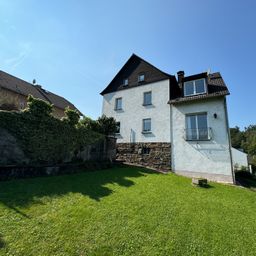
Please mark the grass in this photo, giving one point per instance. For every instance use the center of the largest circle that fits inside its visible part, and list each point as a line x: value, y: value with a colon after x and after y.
x: 125, y: 211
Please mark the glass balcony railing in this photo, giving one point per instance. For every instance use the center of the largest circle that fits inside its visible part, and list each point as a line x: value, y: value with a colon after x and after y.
x: 198, y: 134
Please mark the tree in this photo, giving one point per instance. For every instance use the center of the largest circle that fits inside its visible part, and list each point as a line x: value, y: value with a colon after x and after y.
x: 88, y: 123
x: 104, y: 125
x: 249, y: 144
x: 72, y: 116
x: 38, y: 107
x: 237, y: 137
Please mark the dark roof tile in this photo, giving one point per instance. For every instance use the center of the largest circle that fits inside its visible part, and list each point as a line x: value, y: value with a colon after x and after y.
x: 131, y: 69
x: 20, y: 86
x: 216, y: 87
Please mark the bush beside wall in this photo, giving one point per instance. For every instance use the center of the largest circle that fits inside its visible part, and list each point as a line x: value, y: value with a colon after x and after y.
x: 45, y: 139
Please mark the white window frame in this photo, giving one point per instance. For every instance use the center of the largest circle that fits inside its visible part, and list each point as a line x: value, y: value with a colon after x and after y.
x: 139, y: 78
x: 146, y: 131
x: 125, y: 82
x: 197, y: 130
x: 144, y: 103
x: 116, y: 100
x: 194, y: 87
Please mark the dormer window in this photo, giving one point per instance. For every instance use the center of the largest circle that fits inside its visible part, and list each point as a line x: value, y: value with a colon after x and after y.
x: 194, y: 87
x: 141, y: 78
x: 125, y: 82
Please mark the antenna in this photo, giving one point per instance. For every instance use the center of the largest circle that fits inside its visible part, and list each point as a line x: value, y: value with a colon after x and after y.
x: 208, y: 71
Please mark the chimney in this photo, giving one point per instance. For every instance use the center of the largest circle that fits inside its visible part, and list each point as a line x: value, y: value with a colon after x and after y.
x: 180, y: 76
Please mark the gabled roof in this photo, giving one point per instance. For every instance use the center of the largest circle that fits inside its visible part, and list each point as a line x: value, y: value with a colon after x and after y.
x: 131, y: 69
x: 215, y: 87
x: 24, y: 88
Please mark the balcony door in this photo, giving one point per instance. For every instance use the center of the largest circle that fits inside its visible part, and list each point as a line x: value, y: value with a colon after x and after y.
x: 197, y: 127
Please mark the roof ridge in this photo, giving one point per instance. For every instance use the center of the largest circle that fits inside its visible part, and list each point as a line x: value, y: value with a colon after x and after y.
x: 152, y: 65
x: 126, y: 63
x: 17, y: 78
x: 20, y: 86
x: 43, y: 94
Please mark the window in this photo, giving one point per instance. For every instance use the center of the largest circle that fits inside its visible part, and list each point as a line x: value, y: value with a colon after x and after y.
x: 141, y: 78
x: 118, y: 105
x: 197, y: 127
x: 147, y: 98
x: 125, y: 82
x: 117, y: 127
x: 146, y: 125
x: 145, y: 151
x: 194, y: 87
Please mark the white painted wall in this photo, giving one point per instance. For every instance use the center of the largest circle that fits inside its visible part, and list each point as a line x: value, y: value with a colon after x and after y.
x: 133, y: 112
x: 239, y: 158
x: 200, y: 157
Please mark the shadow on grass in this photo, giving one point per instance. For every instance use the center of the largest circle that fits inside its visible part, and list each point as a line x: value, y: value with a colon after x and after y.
x: 21, y: 193
x: 205, y: 186
x: 246, y: 180
x: 2, y: 243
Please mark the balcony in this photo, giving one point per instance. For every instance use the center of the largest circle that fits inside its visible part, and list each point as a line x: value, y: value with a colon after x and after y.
x: 198, y: 134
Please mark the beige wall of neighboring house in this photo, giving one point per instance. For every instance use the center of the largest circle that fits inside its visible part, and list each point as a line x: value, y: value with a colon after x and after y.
x: 15, y: 91
x: 58, y: 113
x: 19, y: 102
x: 11, y: 98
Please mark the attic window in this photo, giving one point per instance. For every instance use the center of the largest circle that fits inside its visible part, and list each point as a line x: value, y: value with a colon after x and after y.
x: 125, y: 82
x: 194, y: 87
x: 141, y: 78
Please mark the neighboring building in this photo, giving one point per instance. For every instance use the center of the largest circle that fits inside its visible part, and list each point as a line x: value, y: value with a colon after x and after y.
x: 165, y: 123
x: 14, y: 93
x: 240, y: 159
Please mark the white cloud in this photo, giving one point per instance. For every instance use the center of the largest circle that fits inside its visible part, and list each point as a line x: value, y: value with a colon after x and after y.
x: 24, y: 50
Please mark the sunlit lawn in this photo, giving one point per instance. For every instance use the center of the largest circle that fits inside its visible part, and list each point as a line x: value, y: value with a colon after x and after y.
x: 125, y: 211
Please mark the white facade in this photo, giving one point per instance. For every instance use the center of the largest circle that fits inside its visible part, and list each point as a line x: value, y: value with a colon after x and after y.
x: 165, y: 120
x: 240, y: 159
x: 210, y: 158
x: 133, y: 112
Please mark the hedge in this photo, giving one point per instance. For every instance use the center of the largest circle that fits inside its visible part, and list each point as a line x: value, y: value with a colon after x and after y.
x: 45, y: 139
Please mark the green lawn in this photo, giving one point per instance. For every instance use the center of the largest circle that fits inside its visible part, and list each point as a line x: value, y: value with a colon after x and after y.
x: 125, y: 211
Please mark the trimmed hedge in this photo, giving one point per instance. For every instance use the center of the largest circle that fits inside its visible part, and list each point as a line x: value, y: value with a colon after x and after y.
x: 45, y: 139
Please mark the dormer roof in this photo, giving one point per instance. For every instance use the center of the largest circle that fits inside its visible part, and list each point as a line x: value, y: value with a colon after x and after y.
x: 216, y: 87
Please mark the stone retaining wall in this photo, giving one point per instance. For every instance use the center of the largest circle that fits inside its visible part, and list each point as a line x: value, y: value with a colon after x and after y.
x: 155, y: 155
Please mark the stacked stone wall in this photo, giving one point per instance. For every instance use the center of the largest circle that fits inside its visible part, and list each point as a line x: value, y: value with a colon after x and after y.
x: 155, y: 154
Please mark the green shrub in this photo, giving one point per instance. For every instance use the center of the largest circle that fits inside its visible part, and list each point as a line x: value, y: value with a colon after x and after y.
x: 104, y: 125
x: 45, y: 139
x: 72, y: 116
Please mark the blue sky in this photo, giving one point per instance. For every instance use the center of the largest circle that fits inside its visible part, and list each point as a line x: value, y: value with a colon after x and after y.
x: 75, y: 48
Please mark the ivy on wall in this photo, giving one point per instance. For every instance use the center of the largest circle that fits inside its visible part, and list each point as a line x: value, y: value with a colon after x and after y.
x: 45, y: 139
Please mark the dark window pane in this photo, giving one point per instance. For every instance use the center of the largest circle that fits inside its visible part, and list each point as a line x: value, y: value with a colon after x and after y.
x: 189, y: 88
x: 119, y: 103
x: 141, y: 78
x: 146, y: 125
x: 200, y: 86
x: 118, y: 127
x: 202, y: 121
x: 147, y: 98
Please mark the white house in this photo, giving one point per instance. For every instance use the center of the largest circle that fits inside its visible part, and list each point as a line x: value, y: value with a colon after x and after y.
x: 168, y: 123
x: 240, y: 159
